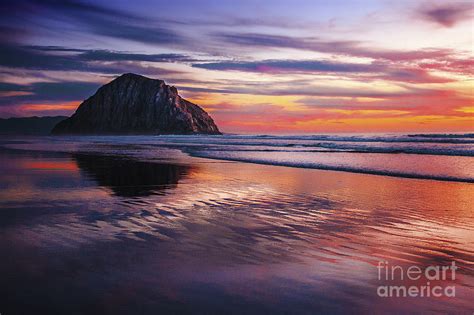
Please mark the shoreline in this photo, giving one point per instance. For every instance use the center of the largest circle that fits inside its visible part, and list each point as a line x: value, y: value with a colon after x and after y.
x: 17, y: 144
x: 353, y: 170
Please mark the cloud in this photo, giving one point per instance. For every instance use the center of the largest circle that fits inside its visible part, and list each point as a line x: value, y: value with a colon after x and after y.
x: 11, y: 33
x: 18, y: 57
x: 100, y: 61
x: 111, y: 55
x: 306, y: 89
x: 96, y: 19
x: 64, y: 91
x: 464, y: 66
x: 47, y: 92
x: 133, y: 32
x: 210, y: 90
x: 107, y: 55
x: 373, y: 70
x: 415, y: 74
x: 345, y: 47
x: 277, y: 66
x: 446, y: 15
x: 78, y: 6
x: 10, y: 87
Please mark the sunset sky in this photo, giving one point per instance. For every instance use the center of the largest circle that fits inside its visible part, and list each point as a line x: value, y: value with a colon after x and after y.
x: 256, y: 66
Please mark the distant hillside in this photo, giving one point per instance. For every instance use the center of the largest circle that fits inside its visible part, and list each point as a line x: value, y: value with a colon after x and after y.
x: 29, y: 125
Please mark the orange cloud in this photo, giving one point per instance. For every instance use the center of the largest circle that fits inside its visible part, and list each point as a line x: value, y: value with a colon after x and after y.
x: 50, y: 107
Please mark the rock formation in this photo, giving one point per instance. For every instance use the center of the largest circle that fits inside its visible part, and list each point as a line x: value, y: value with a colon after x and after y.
x: 134, y: 104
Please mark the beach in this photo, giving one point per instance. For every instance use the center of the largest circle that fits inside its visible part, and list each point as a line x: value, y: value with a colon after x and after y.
x: 128, y: 225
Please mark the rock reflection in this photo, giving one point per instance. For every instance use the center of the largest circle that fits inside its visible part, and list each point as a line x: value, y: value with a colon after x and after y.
x: 131, y: 178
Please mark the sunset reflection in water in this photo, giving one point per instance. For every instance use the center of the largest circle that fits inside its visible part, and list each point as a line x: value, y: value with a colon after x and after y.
x: 114, y: 234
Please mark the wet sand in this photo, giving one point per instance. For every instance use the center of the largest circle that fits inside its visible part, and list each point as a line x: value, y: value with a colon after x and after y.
x: 83, y: 233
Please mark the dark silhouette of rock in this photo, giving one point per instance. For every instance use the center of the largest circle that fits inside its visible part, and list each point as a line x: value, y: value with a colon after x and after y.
x: 133, y: 104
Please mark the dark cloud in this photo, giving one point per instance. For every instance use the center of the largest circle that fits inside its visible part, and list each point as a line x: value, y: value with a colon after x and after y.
x: 110, y: 55
x: 63, y: 91
x: 48, y: 92
x: 9, y: 87
x: 371, y: 71
x: 133, y: 32
x: 20, y: 57
x: 120, y: 67
x: 448, y: 14
x: 96, y: 19
x: 106, y: 55
x: 277, y: 66
x: 78, y: 6
x: 53, y: 48
x: 100, y: 61
x: 11, y: 34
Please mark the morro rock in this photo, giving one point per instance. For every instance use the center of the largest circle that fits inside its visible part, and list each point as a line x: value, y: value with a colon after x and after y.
x: 134, y: 104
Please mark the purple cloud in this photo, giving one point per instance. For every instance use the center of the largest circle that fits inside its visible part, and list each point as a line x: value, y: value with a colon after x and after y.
x: 447, y: 15
x: 364, y: 72
x: 340, y: 47
x: 277, y: 66
x: 95, y: 19
x: 101, y: 61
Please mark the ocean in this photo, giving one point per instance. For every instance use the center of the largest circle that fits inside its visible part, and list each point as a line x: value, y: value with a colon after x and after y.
x: 428, y: 156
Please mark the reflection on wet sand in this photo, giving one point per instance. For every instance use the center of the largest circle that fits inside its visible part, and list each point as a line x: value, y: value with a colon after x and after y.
x: 130, y: 178
x: 229, y: 237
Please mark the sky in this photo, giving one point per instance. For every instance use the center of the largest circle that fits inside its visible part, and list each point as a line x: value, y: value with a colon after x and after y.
x: 256, y: 66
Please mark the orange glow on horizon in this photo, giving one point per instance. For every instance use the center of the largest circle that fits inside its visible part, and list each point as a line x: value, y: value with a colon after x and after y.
x: 50, y: 107
x: 245, y: 113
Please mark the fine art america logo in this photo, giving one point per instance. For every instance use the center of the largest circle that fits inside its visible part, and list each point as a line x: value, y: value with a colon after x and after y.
x: 414, y: 281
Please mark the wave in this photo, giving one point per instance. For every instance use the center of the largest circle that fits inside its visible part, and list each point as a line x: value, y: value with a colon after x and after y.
x: 225, y: 145
x: 415, y: 138
x: 443, y: 157
x: 447, y: 145
x: 443, y: 135
x: 334, y: 149
x: 336, y: 168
